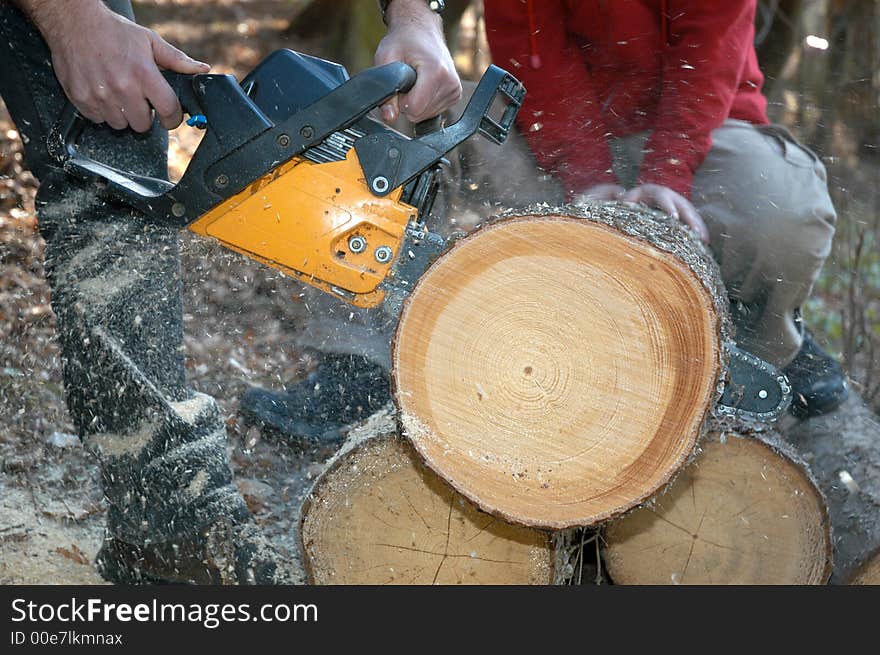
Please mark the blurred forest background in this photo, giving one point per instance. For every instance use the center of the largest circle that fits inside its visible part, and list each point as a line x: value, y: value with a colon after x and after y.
x: 821, y: 58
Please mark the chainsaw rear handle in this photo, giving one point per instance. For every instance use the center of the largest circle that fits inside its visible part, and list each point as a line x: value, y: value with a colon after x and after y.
x: 64, y: 138
x: 233, y: 121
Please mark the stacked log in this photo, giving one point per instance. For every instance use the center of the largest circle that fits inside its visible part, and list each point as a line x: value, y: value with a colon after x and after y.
x: 746, y: 511
x: 843, y: 451
x: 553, y: 369
x: 556, y: 366
x: 556, y: 369
x: 377, y: 515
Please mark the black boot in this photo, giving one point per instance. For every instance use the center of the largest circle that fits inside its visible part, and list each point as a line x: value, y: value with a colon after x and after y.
x: 343, y: 389
x: 818, y: 383
x: 224, y: 553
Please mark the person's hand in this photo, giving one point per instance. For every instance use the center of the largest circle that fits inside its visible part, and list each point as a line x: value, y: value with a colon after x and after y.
x: 109, y: 67
x: 600, y: 193
x: 415, y: 37
x: 670, y: 202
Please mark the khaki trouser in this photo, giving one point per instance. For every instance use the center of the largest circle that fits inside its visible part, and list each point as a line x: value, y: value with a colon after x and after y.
x: 765, y: 200
x: 763, y: 196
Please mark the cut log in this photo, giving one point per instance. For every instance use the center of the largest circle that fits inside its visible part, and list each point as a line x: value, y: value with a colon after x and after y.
x: 745, y: 512
x: 556, y: 366
x: 377, y: 515
x: 843, y: 451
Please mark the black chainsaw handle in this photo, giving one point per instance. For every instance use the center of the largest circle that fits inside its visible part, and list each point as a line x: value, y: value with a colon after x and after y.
x: 232, y: 121
x: 66, y: 132
x: 217, y: 97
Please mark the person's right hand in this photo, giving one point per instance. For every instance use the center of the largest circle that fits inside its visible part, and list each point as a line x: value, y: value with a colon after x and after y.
x: 109, y: 67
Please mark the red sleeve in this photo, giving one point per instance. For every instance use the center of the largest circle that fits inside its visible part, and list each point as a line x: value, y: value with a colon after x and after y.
x: 561, y: 115
x: 702, y: 68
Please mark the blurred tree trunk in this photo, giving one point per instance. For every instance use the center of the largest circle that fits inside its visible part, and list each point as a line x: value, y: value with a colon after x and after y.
x: 852, y: 89
x: 831, y: 96
x: 348, y: 31
x: 345, y: 31
x: 851, y: 132
x: 777, y: 27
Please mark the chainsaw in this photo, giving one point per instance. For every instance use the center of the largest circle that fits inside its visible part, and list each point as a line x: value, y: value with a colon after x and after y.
x: 294, y: 172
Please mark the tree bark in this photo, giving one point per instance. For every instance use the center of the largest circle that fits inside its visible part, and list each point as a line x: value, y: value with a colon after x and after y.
x: 556, y: 366
x: 377, y: 515
x: 745, y: 512
x: 843, y: 451
x: 778, y: 37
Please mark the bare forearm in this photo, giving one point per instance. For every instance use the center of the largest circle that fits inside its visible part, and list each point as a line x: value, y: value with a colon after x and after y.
x: 401, y: 12
x: 51, y: 16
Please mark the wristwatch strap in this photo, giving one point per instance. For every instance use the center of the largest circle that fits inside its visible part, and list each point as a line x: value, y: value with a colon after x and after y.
x: 437, y: 6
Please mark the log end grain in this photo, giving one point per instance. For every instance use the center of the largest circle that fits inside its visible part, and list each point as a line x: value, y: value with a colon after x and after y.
x: 379, y: 516
x: 743, y: 512
x: 869, y: 572
x: 557, y: 370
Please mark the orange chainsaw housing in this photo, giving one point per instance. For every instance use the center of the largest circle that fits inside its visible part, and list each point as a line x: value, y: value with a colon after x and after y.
x: 299, y: 219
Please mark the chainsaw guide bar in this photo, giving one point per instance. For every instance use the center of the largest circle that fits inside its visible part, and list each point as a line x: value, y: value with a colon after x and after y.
x: 754, y: 389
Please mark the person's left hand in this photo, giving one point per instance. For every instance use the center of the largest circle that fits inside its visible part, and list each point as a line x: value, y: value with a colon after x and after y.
x: 672, y: 203
x: 599, y: 193
x: 415, y: 37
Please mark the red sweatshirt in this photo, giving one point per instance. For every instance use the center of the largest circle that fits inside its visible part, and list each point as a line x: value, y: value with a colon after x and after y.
x: 599, y: 68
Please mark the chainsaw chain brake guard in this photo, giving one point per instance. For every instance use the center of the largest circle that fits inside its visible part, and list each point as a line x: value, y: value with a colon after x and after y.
x: 390, y: 159
x: 295, y: 136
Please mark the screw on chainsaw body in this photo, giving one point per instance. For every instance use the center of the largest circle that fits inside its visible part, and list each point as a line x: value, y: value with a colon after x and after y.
x: 222, y: 180
x: 357, y: 244
x: 178, y: 209
x: 283, y: 140
x: 380, y: 184
x: 384, y: 254
x: 307, y: 132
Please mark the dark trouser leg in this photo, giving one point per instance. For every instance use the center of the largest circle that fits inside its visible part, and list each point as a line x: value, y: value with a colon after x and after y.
x: 116, y: 291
